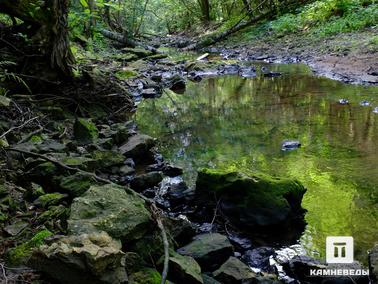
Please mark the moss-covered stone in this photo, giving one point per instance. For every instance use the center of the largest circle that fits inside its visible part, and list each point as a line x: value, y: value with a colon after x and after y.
x: 137, y: 51
x: 85, y: 131
x: 145, y: 276
x: 126, y: 74
x: 80, y: 162
x: 50, y: 199
x: 34, y: 192
x: 76, y: 184
x: 252, y: 199
x: 106, y: 159
x: 21, y: 253
x: 184, y: 269
x: 234, y: 271
x: 54, y: 213
x: 111, y: 209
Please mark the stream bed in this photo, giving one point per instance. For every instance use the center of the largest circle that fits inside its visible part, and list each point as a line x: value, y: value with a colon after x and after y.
x: 241, y: 123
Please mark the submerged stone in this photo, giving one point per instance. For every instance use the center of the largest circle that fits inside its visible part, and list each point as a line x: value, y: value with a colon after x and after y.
x: 252, y: 200
x: 209, y: 250
x: 290, y: 145
x: 88, y: 258
x: 111, y: 209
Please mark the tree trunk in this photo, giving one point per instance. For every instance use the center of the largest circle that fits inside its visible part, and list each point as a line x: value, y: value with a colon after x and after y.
x: 47, y: 29
x: 205, y: 10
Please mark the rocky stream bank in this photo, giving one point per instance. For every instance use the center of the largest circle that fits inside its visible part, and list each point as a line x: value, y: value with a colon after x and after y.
x: 84, y: 195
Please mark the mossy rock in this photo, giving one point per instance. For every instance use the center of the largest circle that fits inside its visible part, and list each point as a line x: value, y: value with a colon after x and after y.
x: 126, y: 74
x: 84, y: 163
x: 85, y: 131
x: 21, y: 253
x: 252, y: 200
x: 76, y: 184
x: 106, y: 159
x: 54, y: 213
x: 184, y: 269
x: 138, y: 52
x: 145, y: 276
x: 50, y: 199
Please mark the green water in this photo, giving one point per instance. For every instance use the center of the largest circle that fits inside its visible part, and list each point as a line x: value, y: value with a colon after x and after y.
x: 234, y: 122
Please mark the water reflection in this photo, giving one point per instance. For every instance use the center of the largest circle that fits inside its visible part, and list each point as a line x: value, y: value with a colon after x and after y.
x: 236, y: 122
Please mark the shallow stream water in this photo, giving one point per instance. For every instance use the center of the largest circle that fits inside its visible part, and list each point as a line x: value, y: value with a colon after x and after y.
x: 240, y: 123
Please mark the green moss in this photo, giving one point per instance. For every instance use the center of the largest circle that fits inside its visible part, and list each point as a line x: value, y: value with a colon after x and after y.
x: 85, y: 131
x: 54, y: 213
x: 50, y: 199
x: 76, y: 184
x: 125, y: 74
x: 3, y: 217
x: 145, y: 276
x: 106, y: 159
x: 21, y: 253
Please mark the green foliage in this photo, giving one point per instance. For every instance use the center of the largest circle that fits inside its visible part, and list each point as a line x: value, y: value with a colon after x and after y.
x: 6, y: 75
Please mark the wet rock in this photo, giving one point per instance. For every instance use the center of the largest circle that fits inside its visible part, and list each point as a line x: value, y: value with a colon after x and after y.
x: 229, y: 69
x: 177, y: 84
x: 234, y: 271
x: 364, y: 103
x: 111, y: 209
x: 375, y: 110
x: 88, y: 258
x: 373, y: 264
x: 145, y: 276
x: 184, y: 269
x: 149, y: 93
x: 290, y: 145
x: 259, y: 258
x: 126, y: 170
x: 247, y: 72
x: 76, y: 184
x: 252, y: 201
x: 137, y: 146
x: 209, y: 280
x: 172, y: 171
x: 209, y: 250
x: 85, y: 131
x: 180, y: 229
x: 147, y: 180
x: 174, y: 189
x: 343, y: 102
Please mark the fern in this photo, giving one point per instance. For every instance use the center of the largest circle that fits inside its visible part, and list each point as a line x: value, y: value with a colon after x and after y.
x: 5, y: 75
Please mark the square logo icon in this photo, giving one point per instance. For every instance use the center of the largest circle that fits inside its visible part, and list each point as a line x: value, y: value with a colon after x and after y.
x: 339, y: 250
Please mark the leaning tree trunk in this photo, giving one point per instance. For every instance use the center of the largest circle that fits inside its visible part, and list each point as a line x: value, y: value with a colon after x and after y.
x: 46, y: 27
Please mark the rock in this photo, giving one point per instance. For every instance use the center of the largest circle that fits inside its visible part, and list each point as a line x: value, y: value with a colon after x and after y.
x: 51, y: 146
x: 149, y: 93
x: 93, y: 259
x: 4, y: 101
x: 252, y: 201
x: 50, y: 199
x: 81, y: 162
x: 209, y: 250
x: 145, y: 276
x: 21, y: 253
x: 34, y: 191
x: 184, y: 269
x: 126, y: 170
x: 146, y: 181
x: 107, y: 159
x: 4, y: 143
x: 364, y: 103
x: 375, y: 110
x: 247, y: 72
x: 137, y: 146
x: 259, y: 258
x: 209, y: 280
x: 172, y: 171
x: 175, y: 190
x: 177, y: 84
x: 343, y: 102
x: 85, y: 131
x: 111, y: 209
x: 16, y: 228
x: 54, y: 214
x: 76, y: 184
x: 290, y: 145
x: 373, y: 264
x: 137, y: 51
x: 234, y: 271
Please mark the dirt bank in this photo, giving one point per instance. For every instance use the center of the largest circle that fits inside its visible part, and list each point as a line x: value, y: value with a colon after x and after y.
x: 350, y: 57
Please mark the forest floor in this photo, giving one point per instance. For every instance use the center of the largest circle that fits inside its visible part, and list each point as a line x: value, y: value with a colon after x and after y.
x: 348, y: 57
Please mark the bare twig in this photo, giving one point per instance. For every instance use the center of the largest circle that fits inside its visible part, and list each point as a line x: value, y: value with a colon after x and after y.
x: 18, y: 127
x: 4, y: 273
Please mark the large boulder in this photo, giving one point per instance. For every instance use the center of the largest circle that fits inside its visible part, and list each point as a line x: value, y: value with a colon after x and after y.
x: 252, y: 201
x: 209, y: 250
x: 234, y: 271
x: 137, y: 146
x: 94, y: 258
x: 373, y: 264
x: 111, y: 209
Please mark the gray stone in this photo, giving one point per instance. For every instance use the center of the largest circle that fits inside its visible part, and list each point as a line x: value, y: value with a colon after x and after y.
x: 85, y: 131
x: 111, y: 209
x: 137, y: 146
x: 184, y: 269
x: 147, y: 180
x: 234, y: 271
x: 373, y: 264
x: 209, y: 250
x: 88, y: 258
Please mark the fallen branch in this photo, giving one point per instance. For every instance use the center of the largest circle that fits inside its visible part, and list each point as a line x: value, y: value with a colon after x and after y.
x: 18, y: 127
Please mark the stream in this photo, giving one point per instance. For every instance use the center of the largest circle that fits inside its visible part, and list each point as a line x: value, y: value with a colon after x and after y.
x: 241, y: 123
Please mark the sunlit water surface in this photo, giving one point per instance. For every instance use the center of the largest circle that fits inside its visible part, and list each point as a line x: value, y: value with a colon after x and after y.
x: 235, y: 122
